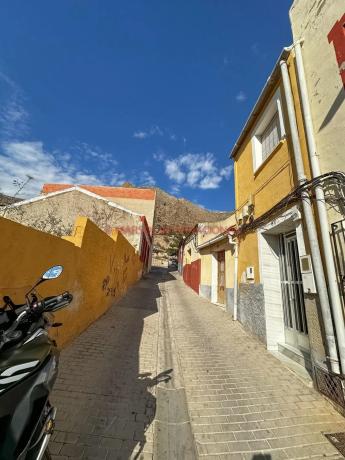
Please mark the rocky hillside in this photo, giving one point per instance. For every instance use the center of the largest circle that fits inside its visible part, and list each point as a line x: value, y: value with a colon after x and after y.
x: 174, y: 217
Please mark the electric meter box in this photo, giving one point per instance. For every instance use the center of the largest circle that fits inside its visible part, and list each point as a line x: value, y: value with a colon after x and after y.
x: 250, y: 273
x: 307, y: 275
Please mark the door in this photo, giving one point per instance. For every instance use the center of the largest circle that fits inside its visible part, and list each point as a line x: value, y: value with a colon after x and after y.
x: 221, y: 277
x: 295, y: 323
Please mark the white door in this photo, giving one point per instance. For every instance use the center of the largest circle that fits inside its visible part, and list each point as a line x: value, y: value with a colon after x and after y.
x: 295, y: 322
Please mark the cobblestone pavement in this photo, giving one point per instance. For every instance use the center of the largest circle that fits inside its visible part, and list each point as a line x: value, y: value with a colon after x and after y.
x: 243, y: 403
x: 105, y: 392
x: 235, y: 399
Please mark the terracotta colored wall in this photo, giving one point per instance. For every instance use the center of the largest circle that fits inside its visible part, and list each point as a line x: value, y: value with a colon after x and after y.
x: 98, y: 269
x: 191, y: 275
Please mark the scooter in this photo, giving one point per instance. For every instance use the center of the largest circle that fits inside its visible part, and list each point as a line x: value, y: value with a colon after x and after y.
x: 28, y: 370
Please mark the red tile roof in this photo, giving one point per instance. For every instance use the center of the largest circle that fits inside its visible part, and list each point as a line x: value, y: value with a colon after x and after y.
x: 107, y: 192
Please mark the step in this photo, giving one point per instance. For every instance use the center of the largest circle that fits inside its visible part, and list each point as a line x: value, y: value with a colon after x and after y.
x: 301, y: 357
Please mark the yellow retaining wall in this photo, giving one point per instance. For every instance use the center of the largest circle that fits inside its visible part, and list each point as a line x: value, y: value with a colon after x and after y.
x: 98, y: 269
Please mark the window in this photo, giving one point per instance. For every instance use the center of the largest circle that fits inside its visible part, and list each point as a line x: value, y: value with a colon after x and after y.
x: 270, y: 137
x: 268, y: 131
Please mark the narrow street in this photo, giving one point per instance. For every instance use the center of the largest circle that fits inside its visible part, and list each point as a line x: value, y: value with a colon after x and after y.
x: 165, y: 374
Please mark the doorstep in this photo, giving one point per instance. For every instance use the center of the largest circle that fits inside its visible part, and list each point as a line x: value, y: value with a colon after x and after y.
x: 220, y: 305
x: 296, y: 361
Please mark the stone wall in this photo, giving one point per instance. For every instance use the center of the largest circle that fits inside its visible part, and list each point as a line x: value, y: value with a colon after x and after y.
x: 251, y: 309
x: 56, y: 214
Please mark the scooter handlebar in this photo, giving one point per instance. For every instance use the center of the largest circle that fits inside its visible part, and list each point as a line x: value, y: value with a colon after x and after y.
x: 57, y: 302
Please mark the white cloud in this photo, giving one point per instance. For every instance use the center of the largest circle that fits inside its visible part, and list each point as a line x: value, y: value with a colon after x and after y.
x: 155, y: 130
x: 158, y: 156
x: 20, y: 159
x: 175, y: 189
x: 105, y: 159
x: 140, y: 135
x: 196, y: 170
x: 13, y: 116
x: 210, y: 182
x: 241, y: 96
x: 226, y: 171
x: 146, y: 179
x: 173, y: 171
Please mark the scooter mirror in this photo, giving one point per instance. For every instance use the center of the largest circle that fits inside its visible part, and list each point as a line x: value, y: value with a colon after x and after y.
x: 52, y: 272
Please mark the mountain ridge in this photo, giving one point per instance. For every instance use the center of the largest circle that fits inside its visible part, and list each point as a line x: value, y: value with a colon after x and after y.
x: 175, y: 217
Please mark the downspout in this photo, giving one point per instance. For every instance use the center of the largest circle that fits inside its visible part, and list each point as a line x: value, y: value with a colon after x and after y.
x: 235, y: 279
x: 322, y: 211
x: 310, y: 224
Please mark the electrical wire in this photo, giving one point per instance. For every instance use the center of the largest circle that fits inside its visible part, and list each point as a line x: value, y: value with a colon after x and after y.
x: 293, y: 197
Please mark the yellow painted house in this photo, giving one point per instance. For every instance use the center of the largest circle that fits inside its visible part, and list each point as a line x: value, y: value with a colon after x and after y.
x: 216, y: 249
x: 207, y: 261
x: 279, y: 277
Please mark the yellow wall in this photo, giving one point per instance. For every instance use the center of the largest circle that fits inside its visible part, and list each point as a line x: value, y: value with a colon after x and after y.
x: 190, y: 254
x: 248, y: 256
x: 206, y: 232
x: 274, y: 179
x: 206, y: 269
x: 229, y: 268
x: 210, y: 230
x: 206, y: 263
x: 98, y: 269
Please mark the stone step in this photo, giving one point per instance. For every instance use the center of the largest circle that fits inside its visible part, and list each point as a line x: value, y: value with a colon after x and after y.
x: 301, y: 357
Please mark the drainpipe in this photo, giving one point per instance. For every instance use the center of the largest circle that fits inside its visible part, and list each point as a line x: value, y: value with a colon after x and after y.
x: 235, y: 275
x: 322, y: 212
x: 310, y: 224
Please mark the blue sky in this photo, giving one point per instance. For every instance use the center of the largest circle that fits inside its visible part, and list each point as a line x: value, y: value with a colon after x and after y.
x: 154, y: 91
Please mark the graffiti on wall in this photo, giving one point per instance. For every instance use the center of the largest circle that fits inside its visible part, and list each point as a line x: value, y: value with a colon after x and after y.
x: 111, y: 284
x: 337, y: 37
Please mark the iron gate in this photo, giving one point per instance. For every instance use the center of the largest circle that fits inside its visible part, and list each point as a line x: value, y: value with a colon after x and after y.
x: 338, y: 236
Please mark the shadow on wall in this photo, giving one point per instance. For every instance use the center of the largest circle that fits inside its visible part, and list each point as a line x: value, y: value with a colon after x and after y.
x: 105, y: 390
x: 334, y: 108
x: 98, y: 269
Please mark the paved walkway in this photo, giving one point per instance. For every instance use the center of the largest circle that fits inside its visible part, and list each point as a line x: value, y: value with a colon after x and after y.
x: 243, y: 403
x: 105, y: 392
x: 225, y: 396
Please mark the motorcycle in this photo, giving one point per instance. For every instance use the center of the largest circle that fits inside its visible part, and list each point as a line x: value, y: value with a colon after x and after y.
x: 28, y: 370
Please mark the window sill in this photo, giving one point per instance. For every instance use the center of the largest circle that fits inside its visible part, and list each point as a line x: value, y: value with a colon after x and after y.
x: 263, y: 164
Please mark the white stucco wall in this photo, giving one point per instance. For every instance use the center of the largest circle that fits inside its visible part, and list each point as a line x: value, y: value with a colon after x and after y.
x: 312, y: 21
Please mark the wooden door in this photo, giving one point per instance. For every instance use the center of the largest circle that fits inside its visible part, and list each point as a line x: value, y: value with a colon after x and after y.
x: 221, y: 277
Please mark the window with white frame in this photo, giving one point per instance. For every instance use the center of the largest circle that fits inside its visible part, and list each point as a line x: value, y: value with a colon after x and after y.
x: 270, y: 138
x: 268, y: 131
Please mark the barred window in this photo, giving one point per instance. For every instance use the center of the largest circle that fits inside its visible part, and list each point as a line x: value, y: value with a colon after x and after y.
x: 270, y: 137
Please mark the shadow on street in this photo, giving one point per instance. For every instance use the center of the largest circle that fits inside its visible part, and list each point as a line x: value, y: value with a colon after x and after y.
x: 105, y: 389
